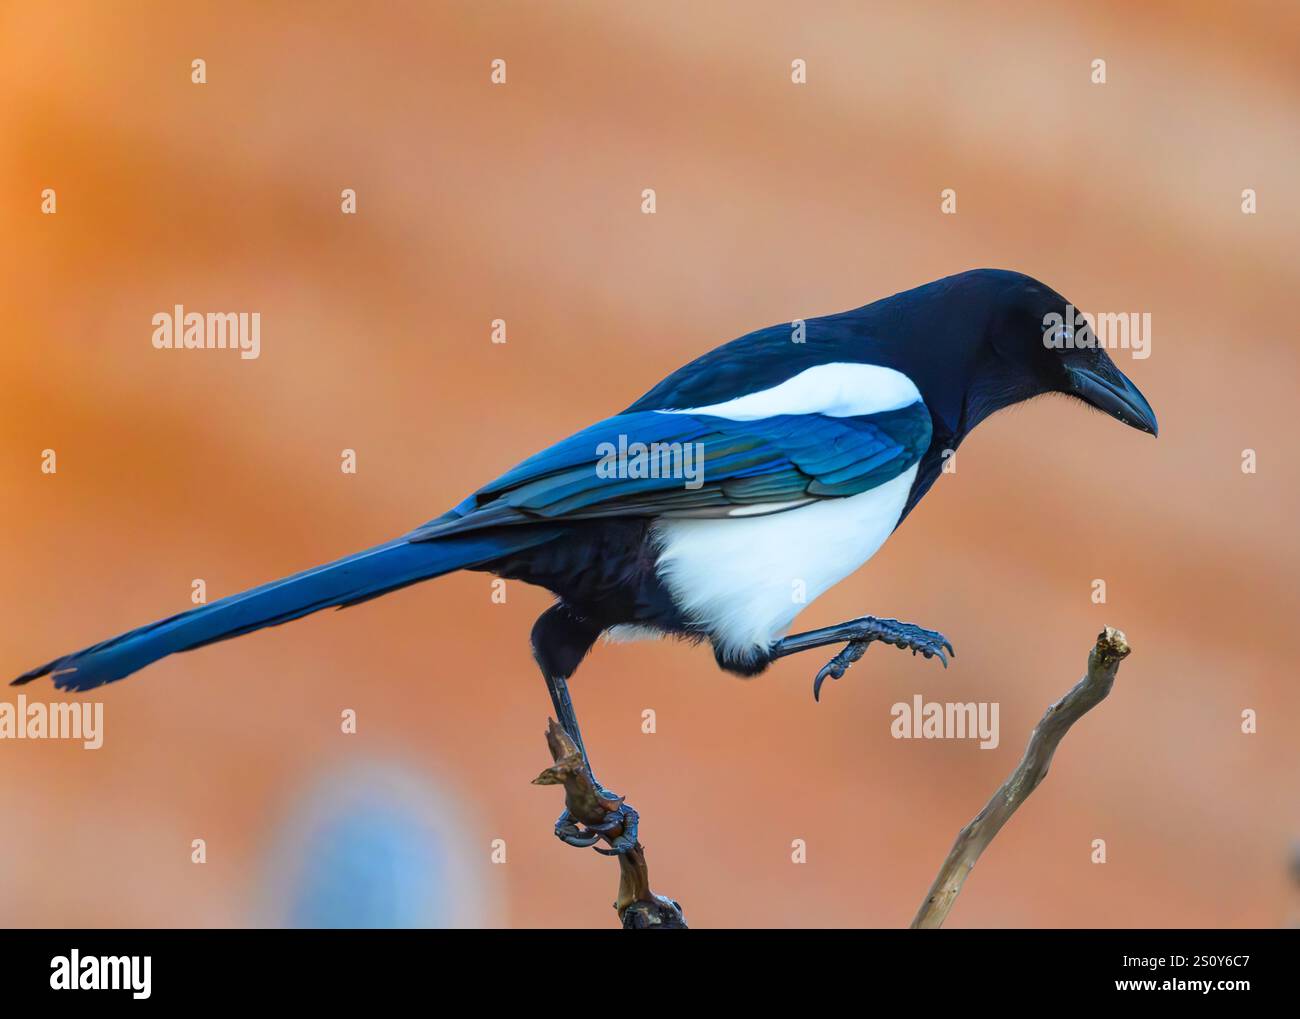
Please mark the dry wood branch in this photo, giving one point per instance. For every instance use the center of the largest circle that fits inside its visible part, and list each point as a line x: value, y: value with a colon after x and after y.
x: 1111, y: 649
x: 638, y: 907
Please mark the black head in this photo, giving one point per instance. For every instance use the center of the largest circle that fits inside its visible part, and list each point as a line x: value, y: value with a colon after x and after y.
x: 1037, y: 342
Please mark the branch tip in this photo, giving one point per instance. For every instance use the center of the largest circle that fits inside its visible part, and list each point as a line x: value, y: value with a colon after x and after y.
x: 1112, y: 644
x: 1112, y: 647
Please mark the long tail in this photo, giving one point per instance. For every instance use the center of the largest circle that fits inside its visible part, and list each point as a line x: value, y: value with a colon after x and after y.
x: 346, y: 581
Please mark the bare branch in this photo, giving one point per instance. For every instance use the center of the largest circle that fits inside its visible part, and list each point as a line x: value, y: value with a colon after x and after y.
x: 1111, y: 649
x: 638, y: 907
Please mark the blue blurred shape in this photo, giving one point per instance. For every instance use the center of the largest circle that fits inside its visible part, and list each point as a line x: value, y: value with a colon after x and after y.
x: 376, y: 846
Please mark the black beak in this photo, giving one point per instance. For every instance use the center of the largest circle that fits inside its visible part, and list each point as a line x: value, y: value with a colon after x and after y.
x: 1113, y: 393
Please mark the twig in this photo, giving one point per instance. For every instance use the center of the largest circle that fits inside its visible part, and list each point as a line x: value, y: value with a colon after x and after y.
x: 638, y: 907
x: 1111, y: 649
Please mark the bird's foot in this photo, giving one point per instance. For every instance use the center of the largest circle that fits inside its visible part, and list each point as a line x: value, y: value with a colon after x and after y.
x: 861, y: 632
x: 619, y: 827
x: 592, y: 813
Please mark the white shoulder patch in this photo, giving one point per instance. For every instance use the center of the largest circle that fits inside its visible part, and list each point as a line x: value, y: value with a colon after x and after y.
x: 838, y: 390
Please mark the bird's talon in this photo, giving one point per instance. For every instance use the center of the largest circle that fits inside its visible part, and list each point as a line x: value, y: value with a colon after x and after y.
x: 568, y: 832
x: 839, y: 665
x: 587, y: 836
x: 606, y: 827
x: 627, y: 841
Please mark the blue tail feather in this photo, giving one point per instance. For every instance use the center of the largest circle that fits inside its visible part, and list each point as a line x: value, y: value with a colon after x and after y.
x: 355, y: 578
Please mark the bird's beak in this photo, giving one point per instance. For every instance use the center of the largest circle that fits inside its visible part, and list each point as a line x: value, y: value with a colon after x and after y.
x: 1108, y: 389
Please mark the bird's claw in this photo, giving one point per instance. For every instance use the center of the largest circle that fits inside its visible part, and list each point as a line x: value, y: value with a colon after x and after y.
x: 622, y: 819
x: 839, y: 665
x: 930, y: 643
x: 629, y: 820
x: 568, y: 832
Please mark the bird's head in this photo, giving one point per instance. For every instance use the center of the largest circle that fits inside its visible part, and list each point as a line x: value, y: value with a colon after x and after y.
x: 1038, y: 342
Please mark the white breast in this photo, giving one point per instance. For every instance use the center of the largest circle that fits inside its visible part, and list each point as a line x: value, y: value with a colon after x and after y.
x: 743, y: 580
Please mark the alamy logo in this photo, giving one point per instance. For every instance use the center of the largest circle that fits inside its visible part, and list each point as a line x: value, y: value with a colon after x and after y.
x: 193, y: 330
x: 70, y: 720
x: 1084, y: 330
x: 931, y: 720
x: 684, y: 460
x: 75, y: 972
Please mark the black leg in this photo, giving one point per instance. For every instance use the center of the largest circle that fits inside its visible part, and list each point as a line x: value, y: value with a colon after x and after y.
x: 859, y: 633
x: 567, y: 829
x: 564, y: 713
x: 566, y: 826
x: 561, y: 638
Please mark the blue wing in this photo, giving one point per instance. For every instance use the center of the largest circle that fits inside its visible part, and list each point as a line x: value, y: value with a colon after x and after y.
x: 649, y: 463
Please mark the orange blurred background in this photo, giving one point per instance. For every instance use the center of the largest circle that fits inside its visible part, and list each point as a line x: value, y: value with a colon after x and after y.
x: 522, y: 202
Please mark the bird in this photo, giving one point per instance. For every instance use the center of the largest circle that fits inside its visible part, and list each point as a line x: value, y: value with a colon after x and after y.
x: 721, y: 503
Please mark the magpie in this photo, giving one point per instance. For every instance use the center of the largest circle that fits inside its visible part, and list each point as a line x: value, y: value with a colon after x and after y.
x: 812, y: 442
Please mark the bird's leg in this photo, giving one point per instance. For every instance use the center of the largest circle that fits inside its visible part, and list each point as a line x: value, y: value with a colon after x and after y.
x: 859, y: 633
x: 558, y: 687
x: 619, y: 815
